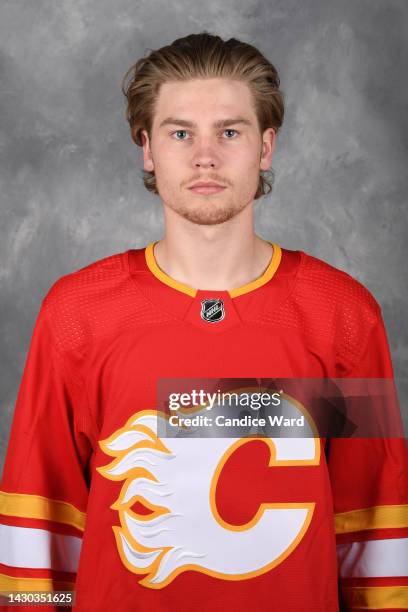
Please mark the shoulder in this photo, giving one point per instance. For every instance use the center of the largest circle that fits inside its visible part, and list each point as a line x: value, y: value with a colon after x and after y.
x: 327, y: 306
x: 341, y: 309
x: 78, y: 304
x: 334, y: 291
x: 89, y: 280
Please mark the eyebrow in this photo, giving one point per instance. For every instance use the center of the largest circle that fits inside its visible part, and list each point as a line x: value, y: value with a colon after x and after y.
x: 222, y: 123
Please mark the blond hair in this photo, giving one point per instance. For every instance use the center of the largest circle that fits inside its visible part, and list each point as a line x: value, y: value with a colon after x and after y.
x: 203, y: 56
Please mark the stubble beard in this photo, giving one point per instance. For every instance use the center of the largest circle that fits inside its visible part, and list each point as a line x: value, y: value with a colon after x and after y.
x: 209, y: 212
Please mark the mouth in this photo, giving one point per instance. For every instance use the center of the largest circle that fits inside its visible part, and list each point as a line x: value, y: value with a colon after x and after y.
x: 207, y: 190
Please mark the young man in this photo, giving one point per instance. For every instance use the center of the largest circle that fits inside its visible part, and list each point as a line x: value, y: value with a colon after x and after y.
x: 93, y: 495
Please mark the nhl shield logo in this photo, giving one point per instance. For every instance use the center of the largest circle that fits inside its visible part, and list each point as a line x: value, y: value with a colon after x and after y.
x: 212, y: 310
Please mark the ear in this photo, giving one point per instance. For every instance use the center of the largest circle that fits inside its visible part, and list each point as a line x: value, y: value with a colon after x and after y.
x: 148, y: 163
x: 268, y: 146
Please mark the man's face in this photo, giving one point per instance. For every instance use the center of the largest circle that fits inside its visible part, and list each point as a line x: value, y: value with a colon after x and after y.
x: 186, y: 147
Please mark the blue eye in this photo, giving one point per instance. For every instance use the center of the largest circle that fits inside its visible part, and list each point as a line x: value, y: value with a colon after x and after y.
x: 185, y: 132
x: 230, y: 130
x: 178, y: 132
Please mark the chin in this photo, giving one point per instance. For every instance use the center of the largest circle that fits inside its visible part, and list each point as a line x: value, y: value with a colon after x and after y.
x: 215, y: 216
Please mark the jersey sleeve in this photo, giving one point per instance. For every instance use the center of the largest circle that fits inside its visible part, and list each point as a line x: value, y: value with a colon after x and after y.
x: 45, y: 481
x: 369, y: 479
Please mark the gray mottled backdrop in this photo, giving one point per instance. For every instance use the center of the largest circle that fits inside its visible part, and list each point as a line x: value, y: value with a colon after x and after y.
x: 71, y: 188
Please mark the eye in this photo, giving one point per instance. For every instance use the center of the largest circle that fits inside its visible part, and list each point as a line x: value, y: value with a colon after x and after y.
x: 185, y: 132
x: 179, y: 132
x: 231, y: 130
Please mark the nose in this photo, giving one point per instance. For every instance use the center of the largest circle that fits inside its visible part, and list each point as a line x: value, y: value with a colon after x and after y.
x: 204, y: 154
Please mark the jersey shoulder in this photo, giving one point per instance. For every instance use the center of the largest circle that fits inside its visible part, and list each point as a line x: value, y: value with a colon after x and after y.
x: 87, y: 281
x: 328, y: 305
x: 338, y: 291
x: 93, y: 302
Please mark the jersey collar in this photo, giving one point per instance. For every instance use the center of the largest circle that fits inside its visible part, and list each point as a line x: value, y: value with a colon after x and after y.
x: 171, y: 282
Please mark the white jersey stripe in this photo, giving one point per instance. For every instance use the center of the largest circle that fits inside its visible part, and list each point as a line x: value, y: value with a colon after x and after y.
x: 37, y: 548
x: 373, y: 558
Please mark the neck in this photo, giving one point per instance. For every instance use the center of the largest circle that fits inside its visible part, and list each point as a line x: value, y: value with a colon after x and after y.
x: 218, y: 257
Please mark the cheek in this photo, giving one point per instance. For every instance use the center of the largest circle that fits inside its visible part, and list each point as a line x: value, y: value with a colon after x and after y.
x: 249, y: 158
x: 172, y: 162
x: 247, y: 172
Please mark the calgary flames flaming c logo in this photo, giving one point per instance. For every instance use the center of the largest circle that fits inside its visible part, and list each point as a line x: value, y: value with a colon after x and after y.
x: 176, y: 482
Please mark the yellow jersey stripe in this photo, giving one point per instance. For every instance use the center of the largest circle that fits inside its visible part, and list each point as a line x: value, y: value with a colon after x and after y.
x: 377, y: 598
x: 12, y: 583
x: 38, y: 507
x: 376, y: 517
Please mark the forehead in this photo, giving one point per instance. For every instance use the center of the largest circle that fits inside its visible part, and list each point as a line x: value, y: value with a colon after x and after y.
x: 199, y: 98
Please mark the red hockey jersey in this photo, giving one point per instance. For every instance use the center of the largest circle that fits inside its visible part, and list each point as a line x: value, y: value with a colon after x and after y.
x: 93, y: 500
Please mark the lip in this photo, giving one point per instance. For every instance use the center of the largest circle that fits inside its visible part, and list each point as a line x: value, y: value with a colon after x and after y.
x: 206, y: 188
